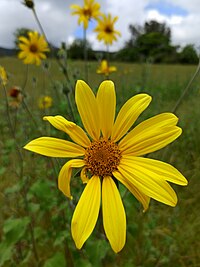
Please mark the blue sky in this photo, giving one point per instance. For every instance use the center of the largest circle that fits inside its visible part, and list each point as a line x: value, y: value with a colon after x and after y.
x: 167, y: 8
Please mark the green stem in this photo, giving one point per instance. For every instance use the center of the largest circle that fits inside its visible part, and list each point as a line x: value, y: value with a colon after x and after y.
x: 85, y: 53
x: 187, y: 88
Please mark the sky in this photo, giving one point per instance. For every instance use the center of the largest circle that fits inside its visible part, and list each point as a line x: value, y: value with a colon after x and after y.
x: 182, y: 16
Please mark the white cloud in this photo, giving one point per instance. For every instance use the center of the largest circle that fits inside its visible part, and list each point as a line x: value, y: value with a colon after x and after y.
x: 60, y: 25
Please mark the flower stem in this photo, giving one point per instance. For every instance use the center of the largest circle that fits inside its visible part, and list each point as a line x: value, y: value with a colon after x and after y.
x: 187, y: 88
x: 85, y: 53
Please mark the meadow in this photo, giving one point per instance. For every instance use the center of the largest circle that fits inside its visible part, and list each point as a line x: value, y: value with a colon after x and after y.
x: 35, y: 216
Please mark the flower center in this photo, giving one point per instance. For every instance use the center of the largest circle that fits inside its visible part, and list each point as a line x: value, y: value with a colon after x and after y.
x: 33, y: 48
x: 102, y: 157
x: 87, y: 12
x: 108, y: 29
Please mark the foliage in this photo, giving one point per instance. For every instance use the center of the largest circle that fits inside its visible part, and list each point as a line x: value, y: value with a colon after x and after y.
x: 76, y: 49
x: 35, y: 216
x: 188, y: 55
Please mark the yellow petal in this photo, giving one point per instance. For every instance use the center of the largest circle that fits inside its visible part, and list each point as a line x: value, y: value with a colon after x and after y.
x: 53, y: 147
x: 151, y: 186
x: 74, y: 131
x: 86, y: 213
x: 87, y: 108
x: 158, y: 169
x: 151, y: 135
x: 140, y: 196
x: 65, y: 175
x: 84, y: 176
x: 129, y: 114
x: 114, y: 217
x: 106, y: 100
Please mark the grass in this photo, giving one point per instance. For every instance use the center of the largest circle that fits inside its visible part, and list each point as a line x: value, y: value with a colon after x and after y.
x: 35, y: 216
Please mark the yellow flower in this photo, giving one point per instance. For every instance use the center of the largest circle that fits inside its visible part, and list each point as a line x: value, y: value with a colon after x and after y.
x: 33, y: 48
x: 87, y: 12
x: 3, y: 76
x: 45, y: 102
x: 105, y: 69
x: 105, y: 29
x: 109, y: 154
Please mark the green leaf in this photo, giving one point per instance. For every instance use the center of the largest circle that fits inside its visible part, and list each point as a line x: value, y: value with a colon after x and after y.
x: 5, y: 252
x: 14, y: 229
x: 57, y: 260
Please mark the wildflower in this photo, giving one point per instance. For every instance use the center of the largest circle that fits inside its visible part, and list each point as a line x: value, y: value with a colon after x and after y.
x: 3, y: 76
x: 87, y: 12
x: 110, y: 154
x: 16, y: 96
x: 105, y: 29
x: 105, y: 69
x: 29, y: 4
x: 33, y: 48
x: 45, y: 102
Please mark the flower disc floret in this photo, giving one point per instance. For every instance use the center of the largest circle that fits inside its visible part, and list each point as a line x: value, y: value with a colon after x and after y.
x: 102, y: 157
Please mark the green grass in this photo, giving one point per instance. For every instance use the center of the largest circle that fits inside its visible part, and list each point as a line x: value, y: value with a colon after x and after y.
x: 31, y: 205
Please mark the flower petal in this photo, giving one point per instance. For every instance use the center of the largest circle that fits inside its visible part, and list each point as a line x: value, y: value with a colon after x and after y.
x: 74, y: 131
x: 106, y: 100
x: 114, y: 217
x: 86, y: 213
x: 128, y: 114
x: 65, y: 175
x: 151, y: 135
x: 140, y: 196
x: 54, y: 147
x: 151, y: 186
x: 87, y: 108
x: 158, y: 169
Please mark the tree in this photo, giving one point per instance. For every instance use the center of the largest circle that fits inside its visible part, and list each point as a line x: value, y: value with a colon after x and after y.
x: 151, y: 41
x: 20, y: 32
x: 188, y: 55
x: 76, y: 50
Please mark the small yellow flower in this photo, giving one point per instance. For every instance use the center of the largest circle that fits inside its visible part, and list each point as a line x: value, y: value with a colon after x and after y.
x: 105, y: 29
x: 109, y: 154
x: 16, y: 96
x: 105, y: 69
x: 87, y: 12
x: 3, y: 76
x: 33, y: 48
x: 45, y: 102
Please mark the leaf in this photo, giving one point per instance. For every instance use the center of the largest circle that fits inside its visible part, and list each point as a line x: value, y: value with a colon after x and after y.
x: 57, y: 260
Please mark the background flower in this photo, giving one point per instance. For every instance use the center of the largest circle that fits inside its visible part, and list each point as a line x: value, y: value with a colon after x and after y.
x: 105, y: 69
x: 33, y: 48
x: 105, y: 29
x: 89, y: 10
x: 45, y: 102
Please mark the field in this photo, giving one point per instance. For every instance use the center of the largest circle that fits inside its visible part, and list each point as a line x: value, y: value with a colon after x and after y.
x: 35, y: 215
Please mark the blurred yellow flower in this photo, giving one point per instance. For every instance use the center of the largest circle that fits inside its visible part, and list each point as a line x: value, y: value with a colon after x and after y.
x: 109, y: 154
x: 89, y: 10
x: 45, y: 102
x: 3, y: 76
x: 105, y: 69
x: 105, y: 29
x: 16, y: 96
x: 33, y: 48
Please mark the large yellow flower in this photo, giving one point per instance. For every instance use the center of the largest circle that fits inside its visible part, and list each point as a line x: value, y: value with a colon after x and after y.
x: 89, y: 10
x: 109, y: 154
x: 3, y: 76
x: 33, y: 48
x: 105, y: 29
x: 105, y: 69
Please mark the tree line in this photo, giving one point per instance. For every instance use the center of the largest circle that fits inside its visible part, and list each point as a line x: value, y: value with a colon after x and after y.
x: 148, y: 43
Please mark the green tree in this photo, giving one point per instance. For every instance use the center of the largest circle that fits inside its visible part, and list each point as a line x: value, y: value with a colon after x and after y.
x: 151, y: 41
x: 76, y: 50
x: 188, y: 55
x: 20, y: 32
